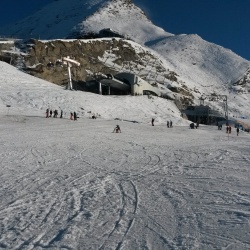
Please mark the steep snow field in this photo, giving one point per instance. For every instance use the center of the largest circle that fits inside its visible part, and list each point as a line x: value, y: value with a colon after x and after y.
x: 59, y: 18
x: 27, y: 94
x: 76, y: 185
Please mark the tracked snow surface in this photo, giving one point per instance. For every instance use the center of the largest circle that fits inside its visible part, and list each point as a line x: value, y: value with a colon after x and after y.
x: 76, y: 185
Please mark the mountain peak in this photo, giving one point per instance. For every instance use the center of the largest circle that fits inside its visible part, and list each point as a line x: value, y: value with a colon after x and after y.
x: 61, y: 18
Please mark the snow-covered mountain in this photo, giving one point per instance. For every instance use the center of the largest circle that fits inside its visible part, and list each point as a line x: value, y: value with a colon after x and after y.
x: 199, y: 67
x: 60, y: 18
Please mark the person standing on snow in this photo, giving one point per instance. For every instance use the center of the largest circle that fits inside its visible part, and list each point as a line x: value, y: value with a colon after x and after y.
x: 75, y: 116
x: 117, y: 129
x: 171, y: 124
x: 152, y: 121
x: 237, y: 131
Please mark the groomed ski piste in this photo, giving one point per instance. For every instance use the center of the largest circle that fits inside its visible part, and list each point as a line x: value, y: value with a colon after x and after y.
x: 76, y: 185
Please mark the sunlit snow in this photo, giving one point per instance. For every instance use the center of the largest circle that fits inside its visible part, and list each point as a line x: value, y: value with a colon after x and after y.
x: 76, y: 185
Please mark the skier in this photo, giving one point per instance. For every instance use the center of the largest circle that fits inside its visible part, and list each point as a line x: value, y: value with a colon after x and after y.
x: 47, y: 113
x: 237, y: 131
x: 152, y: 121
x: 117, y: 129
x: 55, y: 113
x: 50, y: 113
x: 61, y: 116
x: 171, y: 124
x: 75, y: 116
x: 168, y: 124
x: 71, y: 116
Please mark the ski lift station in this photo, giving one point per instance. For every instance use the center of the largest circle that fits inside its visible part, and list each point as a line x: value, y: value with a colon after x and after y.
x: 128, y: 83
x: 203, y: 114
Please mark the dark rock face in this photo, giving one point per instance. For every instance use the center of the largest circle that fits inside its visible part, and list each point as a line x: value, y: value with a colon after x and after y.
x: 96, y: 57
x: 42, y: 57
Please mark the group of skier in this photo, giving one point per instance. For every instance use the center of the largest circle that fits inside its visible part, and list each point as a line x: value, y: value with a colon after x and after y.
x: 73, y: 116
x: 169, y: 123
x: 117, y: 129
x: 51, y: 113
x: 229, y: 129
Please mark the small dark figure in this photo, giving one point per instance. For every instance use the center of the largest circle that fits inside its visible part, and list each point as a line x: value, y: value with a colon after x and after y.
x: 237, y: 131
x: 152, y: 121
x: 55, y: 113
x: 219, y: 126
x: 168, y: 124
x: 197, y: 125
x: 47, y: 113
x: 75, y: 116
x: 171, y: 124
x: 93, y: 117
x: 71, y: 116
x: 61, y: 116
x: 50, y: 113
x: 191, y: 125
x: 229, y: 129
x: 117, y: 129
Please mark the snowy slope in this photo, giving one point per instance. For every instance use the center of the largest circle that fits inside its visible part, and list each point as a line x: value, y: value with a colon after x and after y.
x: 60, y: 18
x: 127, y: 19
x: 207, y: 68
x: 25, y: 93
x: 76, y: 185
x: 194, y: 57
x: 54, y: 20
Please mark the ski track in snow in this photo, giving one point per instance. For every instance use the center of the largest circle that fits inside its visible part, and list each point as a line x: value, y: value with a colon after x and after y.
x: 65, y: 185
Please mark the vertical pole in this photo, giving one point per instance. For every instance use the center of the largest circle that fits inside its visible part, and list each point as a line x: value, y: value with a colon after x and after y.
x: 100, y: 88
x: 69, y: 74
x: 226, y: 110
x: 109, y: 89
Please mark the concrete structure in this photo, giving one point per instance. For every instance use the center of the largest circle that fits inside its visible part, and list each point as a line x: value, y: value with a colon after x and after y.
x: 203, y: 114
x: 131, y: 83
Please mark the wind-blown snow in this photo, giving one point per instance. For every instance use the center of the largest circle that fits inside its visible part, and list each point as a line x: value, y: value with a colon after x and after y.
x: 76, y: 185
x: 125, y: 18
x: 59, y: 18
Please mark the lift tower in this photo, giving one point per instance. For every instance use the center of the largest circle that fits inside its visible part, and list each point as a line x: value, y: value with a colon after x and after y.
x: 69, y: 62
